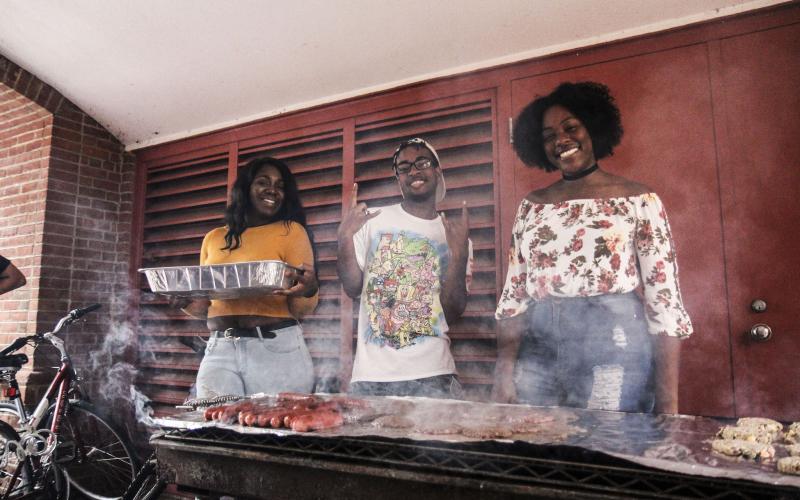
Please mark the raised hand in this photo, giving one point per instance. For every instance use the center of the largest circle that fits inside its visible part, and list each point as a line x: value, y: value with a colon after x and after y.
x: 355, y: 217
x: 457, y: 231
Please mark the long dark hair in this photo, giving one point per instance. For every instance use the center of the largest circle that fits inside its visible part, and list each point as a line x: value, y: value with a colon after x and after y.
x: 291, y: 210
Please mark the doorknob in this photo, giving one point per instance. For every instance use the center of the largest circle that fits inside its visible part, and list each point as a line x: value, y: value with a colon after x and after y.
x: 760, y: 332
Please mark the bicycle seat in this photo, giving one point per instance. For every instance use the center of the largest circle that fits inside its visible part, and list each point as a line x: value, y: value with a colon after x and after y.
x: 13, y: 361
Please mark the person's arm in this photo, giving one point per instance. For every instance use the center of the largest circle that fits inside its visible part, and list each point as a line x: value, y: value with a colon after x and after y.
x: 509, y: 336
x: 453, y: 294
x: 350, y: 273
x: 512, y: 320
x: 666, y: 317
x: 196, y: 308
x: 11, y: 279
x: 303, y: 296
x: 667, y: 357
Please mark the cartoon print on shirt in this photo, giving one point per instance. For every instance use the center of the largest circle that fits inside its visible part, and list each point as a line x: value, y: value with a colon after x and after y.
x: 404, y: 280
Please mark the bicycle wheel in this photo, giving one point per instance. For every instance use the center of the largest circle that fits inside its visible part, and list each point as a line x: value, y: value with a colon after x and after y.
x: 147, y: 485
x: 15, y: 475
x: 151, y: 489
x: 103, y: 464
x: 9, y: 415
x: 53, y: 485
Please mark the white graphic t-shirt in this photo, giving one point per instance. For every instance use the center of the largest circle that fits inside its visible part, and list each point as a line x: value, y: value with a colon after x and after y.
x: 402, y: 331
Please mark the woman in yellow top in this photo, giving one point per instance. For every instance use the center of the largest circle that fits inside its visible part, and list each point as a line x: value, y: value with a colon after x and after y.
x: 256, y: 342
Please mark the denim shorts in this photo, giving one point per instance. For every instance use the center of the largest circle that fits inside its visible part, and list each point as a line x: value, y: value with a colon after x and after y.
x: 243, y: 366
x: 440, y: 386
x: 587, y: 352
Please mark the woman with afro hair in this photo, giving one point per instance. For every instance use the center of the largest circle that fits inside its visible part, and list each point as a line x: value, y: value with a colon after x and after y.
x: 591, y: 311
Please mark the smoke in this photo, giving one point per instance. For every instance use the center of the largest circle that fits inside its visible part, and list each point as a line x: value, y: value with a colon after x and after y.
x: 116, y: 378
x: 141, y: 405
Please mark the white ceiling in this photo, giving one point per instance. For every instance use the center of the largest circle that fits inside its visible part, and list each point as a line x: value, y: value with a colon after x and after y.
x: 157, y: 70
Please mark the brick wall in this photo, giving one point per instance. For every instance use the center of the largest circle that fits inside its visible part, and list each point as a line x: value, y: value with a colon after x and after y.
x: 66, y: 204
x: 25, y: 131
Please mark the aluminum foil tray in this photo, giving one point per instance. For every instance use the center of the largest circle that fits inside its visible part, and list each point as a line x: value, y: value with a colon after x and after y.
x: 218, y: 281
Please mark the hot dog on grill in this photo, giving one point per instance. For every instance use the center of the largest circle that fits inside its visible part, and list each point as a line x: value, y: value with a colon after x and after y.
x: 297, y: 397
x: 231, y: 412
x: 317, y: 421
x: 209, y: 412
x: 249, y: 416
x: 297, y: 411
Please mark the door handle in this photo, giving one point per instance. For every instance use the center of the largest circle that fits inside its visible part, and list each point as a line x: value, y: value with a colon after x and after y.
x: 760, y: 332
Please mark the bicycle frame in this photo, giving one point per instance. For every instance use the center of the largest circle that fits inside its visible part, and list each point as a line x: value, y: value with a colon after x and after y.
x: 59, y: 388
x: 38, y: 446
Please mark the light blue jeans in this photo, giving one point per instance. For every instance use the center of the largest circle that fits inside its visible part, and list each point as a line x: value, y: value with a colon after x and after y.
x: 587, y: 352
x: 243, y: 366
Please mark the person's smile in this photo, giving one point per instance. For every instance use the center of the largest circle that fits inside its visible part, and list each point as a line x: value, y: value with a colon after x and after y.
x: 266, y: 194
x: 566, y: 141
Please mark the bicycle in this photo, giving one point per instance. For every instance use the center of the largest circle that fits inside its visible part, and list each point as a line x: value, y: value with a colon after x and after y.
x: 148, y: 484
x: 64, y: 442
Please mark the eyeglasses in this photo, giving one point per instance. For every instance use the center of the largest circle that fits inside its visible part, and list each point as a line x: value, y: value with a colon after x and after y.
x: 420, y: 164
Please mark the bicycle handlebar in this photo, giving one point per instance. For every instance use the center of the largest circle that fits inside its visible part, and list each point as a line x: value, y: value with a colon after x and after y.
x: 79, y: 313
x: 65, y: 321
x: 72, y: 316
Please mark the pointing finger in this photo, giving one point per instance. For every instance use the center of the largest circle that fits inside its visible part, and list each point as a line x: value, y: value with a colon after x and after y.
x: 354, y: 198
x: 464, y: 213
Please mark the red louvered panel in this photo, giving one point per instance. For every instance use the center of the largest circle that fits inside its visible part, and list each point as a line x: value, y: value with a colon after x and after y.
x: 316, y: 160
x: 186, y: 197
x: 462, y: 130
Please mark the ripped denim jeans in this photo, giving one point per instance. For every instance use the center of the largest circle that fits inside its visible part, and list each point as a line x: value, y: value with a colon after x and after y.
x: 587, y: 352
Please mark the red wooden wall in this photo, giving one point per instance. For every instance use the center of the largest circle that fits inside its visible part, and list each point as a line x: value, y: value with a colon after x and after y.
x: 675, y: 91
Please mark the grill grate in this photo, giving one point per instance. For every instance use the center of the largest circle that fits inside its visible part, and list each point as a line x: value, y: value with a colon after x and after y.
x: 564, y: 468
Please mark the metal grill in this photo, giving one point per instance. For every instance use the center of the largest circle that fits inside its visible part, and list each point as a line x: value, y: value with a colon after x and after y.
x: 525, y: 467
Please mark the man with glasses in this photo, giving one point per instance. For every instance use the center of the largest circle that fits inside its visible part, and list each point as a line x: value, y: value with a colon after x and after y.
x: 411, y: 267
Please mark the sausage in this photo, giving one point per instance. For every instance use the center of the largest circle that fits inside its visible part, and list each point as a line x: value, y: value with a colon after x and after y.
x: 272, y: 417
x: 299, y: 410
x: 231, y: 412
x: 297, y: 397
x: 288, y: 419
x: 263, y: 418
x: 277, y: 420
x: 317, y: 421
x: 346, y: 402
x: 209, y: 412
x: 249, y: 416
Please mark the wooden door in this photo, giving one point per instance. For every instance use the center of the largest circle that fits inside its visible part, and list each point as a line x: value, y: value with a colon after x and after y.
x: 760, y: 178
x: 666, y: 107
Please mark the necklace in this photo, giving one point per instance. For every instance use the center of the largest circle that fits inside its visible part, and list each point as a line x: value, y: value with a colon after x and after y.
x: 579, y: 175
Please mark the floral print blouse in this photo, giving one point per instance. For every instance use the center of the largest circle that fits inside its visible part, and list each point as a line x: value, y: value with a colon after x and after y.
x: 587, y: 247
